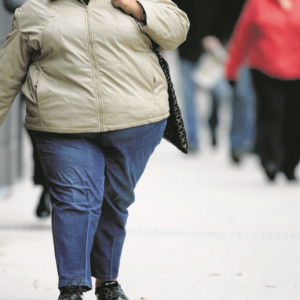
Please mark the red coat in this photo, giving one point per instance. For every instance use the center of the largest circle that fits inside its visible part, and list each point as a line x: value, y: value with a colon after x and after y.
x: 266, y: 38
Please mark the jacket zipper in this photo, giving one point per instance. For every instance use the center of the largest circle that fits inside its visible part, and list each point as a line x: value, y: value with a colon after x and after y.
x: 135, y: 24
x: 94, y: 67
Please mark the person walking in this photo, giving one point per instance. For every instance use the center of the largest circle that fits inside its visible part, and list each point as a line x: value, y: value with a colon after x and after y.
x: 267, y: 39
x: 242, y: 99
x: 97, y: 104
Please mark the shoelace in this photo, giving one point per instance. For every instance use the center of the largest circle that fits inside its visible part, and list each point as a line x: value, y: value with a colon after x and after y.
x: 72, y: 290
x: 110, y: 293
x: 70, y: 296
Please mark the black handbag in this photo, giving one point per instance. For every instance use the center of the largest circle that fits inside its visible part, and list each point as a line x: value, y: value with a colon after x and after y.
x: 175, y: 132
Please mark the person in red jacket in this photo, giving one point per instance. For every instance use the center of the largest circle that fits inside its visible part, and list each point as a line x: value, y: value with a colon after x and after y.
x: 267, y: 39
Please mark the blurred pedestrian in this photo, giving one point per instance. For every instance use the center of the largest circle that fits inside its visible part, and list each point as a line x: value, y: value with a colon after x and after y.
x: 267, y: 38
x: 243, y: 127
x: 43, y: 209
x: 242, y: 130
x: 189, y: 54
x: 218, y: 88
x: 97, y: 104
x: 208, y: 17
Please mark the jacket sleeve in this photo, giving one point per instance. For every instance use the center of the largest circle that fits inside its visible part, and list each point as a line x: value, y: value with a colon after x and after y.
x: 12, y: 5
x: 167, y: 25
x: 14, y: 61
x: 241, y: 41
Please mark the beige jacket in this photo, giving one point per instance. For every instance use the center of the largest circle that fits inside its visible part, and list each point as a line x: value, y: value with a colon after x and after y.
x: 88, y: 69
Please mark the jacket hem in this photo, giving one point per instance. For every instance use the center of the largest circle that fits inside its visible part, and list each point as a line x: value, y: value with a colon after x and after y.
x: 95, y: 129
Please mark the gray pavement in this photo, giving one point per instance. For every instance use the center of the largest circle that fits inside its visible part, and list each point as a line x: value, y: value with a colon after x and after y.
x: 200, y: 229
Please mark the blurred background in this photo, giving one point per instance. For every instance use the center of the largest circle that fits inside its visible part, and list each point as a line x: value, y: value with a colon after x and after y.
x: 221, y: 223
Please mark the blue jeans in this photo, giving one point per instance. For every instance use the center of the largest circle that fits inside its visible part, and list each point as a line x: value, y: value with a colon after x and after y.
x: 221, y: 92
x: 91, y: 178
x: 190, y: 117
x: 242, y: 135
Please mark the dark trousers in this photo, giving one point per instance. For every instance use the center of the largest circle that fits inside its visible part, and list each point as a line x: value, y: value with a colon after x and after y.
x: 278, y: 121
x: 38, y: 176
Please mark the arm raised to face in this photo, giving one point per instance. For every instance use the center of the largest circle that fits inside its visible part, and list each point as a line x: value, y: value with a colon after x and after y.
x: 166, y: 24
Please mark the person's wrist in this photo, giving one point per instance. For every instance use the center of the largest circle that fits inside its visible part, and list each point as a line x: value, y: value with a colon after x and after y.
x: 135, y: 11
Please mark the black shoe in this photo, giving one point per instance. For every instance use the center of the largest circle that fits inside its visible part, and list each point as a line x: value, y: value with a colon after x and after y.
x: 110, y: 290
x: 271, y: 171
x: 213, y: 137
x: 235, y: 157
x: 44, y: 207
x: 214, y: 141
x: 290, y: 175
x: 72, y: 292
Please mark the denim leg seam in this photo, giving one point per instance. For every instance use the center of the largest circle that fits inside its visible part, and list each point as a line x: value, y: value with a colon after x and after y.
x: 88, y: 230
x: 50, y: 189
x: 112, y: 254
x: 86, y: 248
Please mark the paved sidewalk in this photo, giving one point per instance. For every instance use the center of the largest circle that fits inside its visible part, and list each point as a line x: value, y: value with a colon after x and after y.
x: 200, y: 229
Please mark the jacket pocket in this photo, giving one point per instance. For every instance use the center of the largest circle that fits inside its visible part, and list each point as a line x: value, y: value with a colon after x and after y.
x: 29, y: 87
x: 35, y: 87
x: 155, y: 84
x: 41, y: 90
x: 43, y: 41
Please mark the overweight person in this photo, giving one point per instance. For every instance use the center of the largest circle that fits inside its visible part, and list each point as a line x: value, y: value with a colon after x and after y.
x: 97, y: 104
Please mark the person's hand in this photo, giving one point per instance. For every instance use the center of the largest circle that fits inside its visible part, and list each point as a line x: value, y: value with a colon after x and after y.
x: 131, y: 7
x: 211, y: 43
x: 286, y: 4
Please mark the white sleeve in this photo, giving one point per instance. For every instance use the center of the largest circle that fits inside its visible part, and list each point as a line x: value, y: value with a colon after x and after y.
x: 167, y: 25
